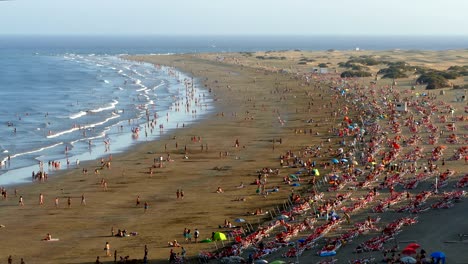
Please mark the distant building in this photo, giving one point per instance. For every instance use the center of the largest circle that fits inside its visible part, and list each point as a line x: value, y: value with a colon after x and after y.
x: 320, y: 70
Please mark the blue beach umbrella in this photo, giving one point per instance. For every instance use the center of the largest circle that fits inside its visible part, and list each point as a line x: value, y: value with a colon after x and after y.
x: 335, y: 161
x: 344, y: 160
x: 295, y: 184
x: 438, y: 256
x: 239, y: 220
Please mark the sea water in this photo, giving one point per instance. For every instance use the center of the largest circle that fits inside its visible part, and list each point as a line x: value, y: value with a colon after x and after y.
x: 74, y: 98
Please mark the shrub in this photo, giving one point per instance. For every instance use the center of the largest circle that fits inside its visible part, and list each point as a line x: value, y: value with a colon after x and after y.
x: 392, y: 72
x: 433, y: 80
x: 347, y: 74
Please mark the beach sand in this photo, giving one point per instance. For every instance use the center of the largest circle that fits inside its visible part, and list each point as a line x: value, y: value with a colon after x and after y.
x: 249, y: 97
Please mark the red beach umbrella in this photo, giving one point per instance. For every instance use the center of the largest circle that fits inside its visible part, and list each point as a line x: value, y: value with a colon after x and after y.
x: 409, y: 251
x: 413, y: 245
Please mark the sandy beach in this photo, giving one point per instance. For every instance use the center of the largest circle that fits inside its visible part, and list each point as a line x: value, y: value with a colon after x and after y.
x: 265, y: 109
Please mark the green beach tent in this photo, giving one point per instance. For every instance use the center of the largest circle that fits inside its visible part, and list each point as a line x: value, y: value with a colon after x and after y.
x: 278, y: 262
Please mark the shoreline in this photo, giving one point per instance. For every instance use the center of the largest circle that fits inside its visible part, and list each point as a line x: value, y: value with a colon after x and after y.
x: 121, y: 141
x: 248, y: 102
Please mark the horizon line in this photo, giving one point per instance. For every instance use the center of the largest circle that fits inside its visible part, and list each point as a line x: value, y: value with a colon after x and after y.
x: 224, y: 35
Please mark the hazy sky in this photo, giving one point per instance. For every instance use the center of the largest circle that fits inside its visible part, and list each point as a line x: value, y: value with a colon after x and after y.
x: 213, y: 17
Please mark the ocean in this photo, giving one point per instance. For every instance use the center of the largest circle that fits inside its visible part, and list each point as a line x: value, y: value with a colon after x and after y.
x: 73, y: 98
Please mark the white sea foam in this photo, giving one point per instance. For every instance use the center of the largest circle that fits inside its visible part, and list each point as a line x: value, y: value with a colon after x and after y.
x: 32, y: 151
x: 101, y: 135
x: 100, y: 109
x: 58, y: 134
x: 77, y: 115
x: 159, y: 85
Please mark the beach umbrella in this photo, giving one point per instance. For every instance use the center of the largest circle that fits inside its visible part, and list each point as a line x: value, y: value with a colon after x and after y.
x: 239, y: 220
x: 408, y: 260
x: 261, y: 261
x: 335, y: 161
x: 409, y: 251
x: 344, y: 160
x: 413, y: 245
x: 438, y: 254
x: 219, y: 236
x: 283, y: 217
x: 295, y: 184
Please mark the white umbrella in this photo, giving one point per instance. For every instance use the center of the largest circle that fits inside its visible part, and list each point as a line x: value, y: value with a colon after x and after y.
x: 408, y: 260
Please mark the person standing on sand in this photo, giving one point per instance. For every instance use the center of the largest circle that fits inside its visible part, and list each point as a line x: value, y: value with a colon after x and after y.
x: 138, y: 200
x: 56, y: 202
x: 181, y: 194
x: 196, y: 235
x: 83, y: 200
x: 41, y: 199
x: 183, y: 253
x: 146, y: 206
x: 107, y: 249
x: 21, y: 202
x: 69, y: 202
x: 178, y: 194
